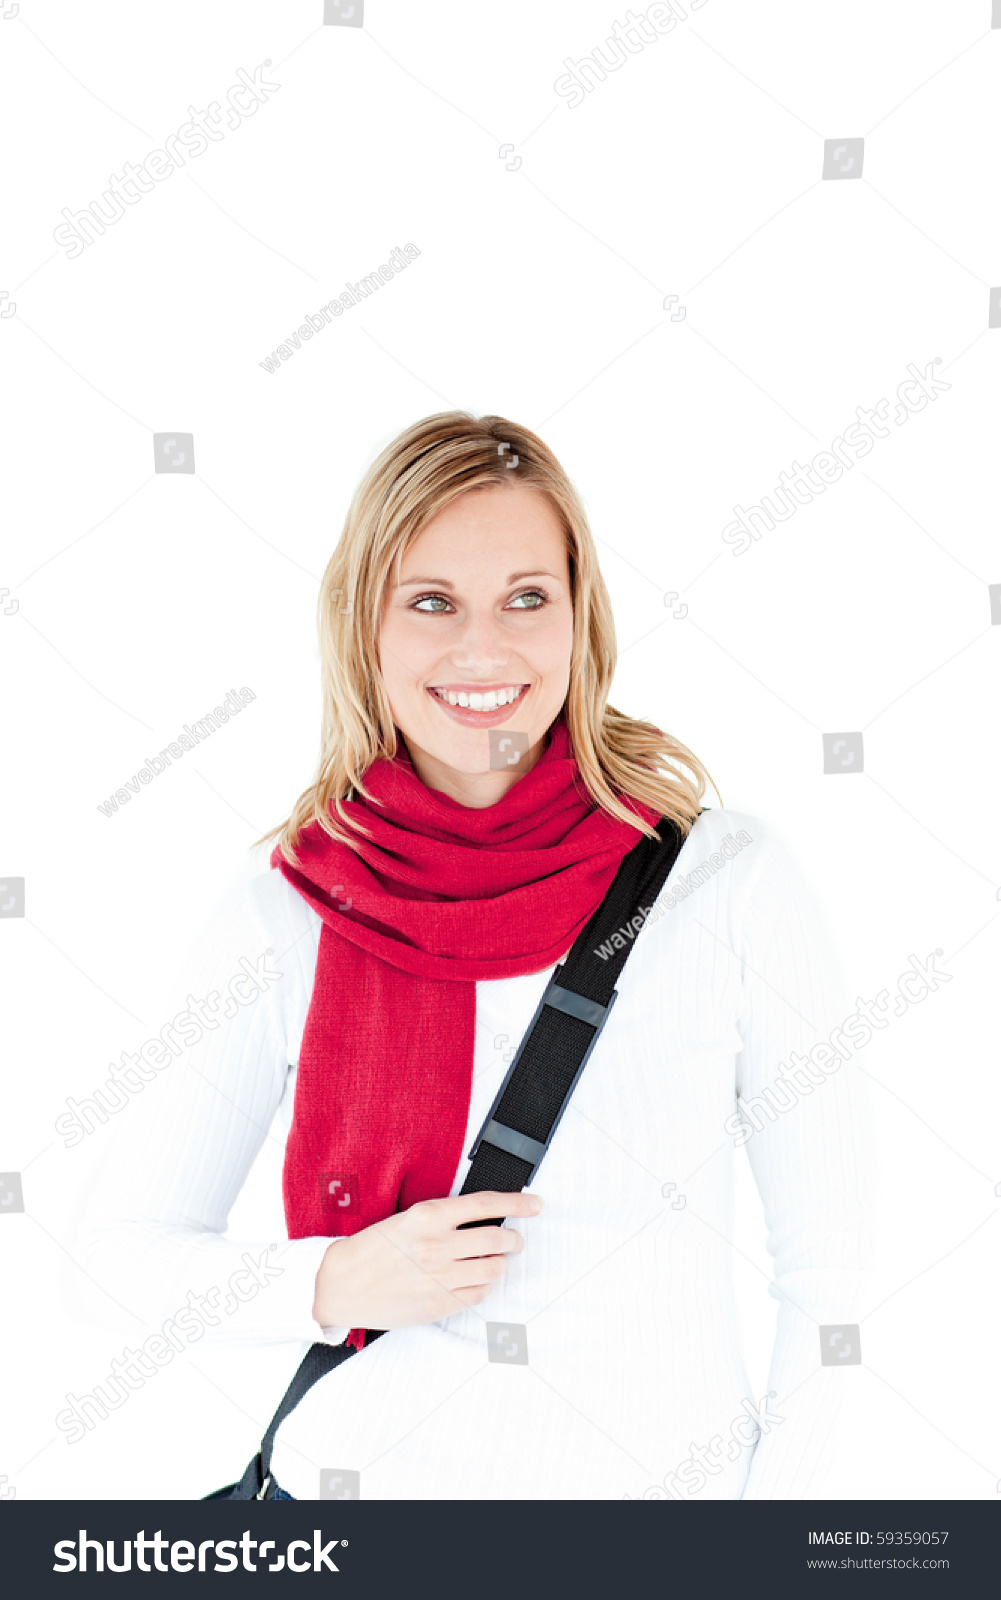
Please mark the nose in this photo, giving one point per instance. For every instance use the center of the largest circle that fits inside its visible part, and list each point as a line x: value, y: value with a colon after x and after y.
x: 480, y: 646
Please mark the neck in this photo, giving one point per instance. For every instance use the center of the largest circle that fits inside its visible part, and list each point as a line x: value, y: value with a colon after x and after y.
x: 477, y: 790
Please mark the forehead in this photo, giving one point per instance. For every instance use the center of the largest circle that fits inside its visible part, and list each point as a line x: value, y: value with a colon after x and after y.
x: 484, y: 525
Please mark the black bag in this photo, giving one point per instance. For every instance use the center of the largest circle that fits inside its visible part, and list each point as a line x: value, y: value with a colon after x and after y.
x: 525, y: 1114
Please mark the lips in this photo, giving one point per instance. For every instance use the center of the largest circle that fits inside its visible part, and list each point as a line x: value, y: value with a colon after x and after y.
x: 478, y: 697
x: 471, y: 716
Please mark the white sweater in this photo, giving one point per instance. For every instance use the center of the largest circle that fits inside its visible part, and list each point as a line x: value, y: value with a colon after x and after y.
x: 623, y: 1290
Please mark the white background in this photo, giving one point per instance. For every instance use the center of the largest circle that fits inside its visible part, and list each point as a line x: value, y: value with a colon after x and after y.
x: 695, y: 169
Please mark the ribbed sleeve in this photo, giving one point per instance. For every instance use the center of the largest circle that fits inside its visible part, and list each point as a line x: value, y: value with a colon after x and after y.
x: 182, y: 1149
x: 804, y: 1132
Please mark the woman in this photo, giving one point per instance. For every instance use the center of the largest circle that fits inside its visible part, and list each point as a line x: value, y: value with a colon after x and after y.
x: 474, y: 799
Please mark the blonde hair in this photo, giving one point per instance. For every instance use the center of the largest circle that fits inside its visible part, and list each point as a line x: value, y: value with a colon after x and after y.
x: 426, y: 467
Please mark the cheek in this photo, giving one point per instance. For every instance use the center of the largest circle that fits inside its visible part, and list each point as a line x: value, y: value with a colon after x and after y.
x: 554, y: 645
x: 402, y: 650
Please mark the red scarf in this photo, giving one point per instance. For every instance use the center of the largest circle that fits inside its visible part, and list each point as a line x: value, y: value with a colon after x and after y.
x: 439, y: 896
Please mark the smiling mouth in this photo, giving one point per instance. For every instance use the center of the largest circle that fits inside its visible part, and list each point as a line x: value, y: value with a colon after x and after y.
x: 484, y: 700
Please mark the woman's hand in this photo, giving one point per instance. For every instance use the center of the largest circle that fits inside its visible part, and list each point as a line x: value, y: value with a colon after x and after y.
x: 415, y: 1266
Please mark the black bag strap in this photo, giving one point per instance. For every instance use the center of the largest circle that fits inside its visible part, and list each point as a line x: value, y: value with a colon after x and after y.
x: 316, y: 1363
x: 519, y: 1127
x: 527, y: 1108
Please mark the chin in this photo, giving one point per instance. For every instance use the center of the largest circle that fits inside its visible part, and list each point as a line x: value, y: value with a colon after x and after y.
x: 466, y: 750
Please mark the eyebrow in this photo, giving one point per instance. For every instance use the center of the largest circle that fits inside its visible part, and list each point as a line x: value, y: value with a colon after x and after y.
x: 443, y: 583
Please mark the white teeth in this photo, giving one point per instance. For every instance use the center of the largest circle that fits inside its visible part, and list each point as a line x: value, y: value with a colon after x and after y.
x: 491, y: 700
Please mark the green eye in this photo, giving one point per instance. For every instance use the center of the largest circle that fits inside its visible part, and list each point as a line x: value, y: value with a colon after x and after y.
x: 435, y: 604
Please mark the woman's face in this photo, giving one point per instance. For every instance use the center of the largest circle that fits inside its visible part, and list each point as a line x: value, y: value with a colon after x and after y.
x: 482, y: 611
